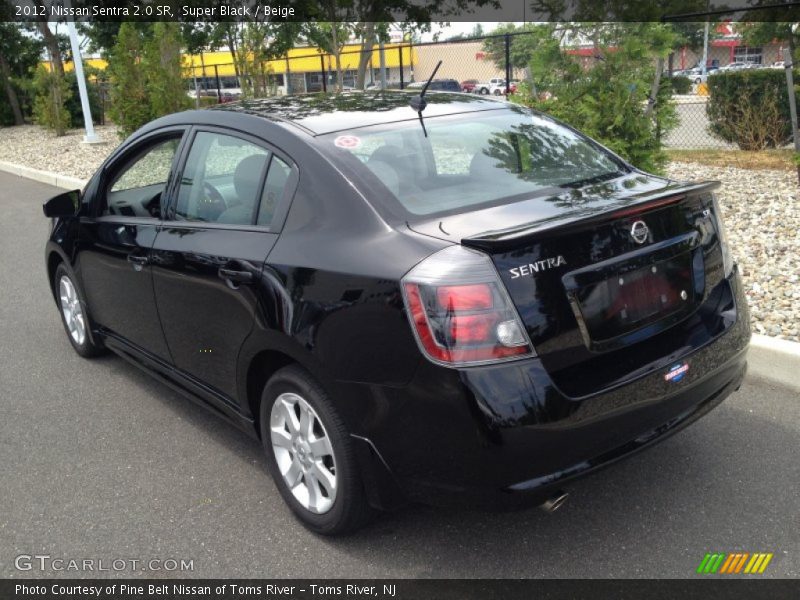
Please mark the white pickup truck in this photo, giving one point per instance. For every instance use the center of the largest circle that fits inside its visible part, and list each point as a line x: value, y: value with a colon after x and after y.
x: 496, y: 86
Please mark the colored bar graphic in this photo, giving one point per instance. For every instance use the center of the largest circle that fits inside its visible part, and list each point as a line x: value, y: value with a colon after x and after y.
x: 720, y: 562
x: 741, y: 562
x: 731, y: 560
x: 764, y: 564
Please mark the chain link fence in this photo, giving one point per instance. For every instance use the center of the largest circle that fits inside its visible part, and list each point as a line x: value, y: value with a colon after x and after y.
x: 475, y: 65
x: 692, y: 131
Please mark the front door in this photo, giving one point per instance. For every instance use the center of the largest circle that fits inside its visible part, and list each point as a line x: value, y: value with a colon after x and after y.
x: 113, y: 258
x: 208, y: 258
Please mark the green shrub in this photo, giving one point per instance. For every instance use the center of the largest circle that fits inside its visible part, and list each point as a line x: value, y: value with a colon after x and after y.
x: 206, y: 101
x: 73, y: 102
x: 750, y: 108
x: 146, y: 75
x: 130, y: 102
x: 49, y: 107
x: 163, y: 70
x: 681, y: 84
x: 608, y: 104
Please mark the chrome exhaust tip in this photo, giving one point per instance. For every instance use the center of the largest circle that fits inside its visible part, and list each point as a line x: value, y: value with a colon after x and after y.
x: 554, y: 502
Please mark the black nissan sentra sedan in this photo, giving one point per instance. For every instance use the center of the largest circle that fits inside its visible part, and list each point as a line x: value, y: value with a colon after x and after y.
x: 470, y: 304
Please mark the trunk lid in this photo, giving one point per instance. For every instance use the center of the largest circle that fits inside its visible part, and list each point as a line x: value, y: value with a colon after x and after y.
x: 595, y: 272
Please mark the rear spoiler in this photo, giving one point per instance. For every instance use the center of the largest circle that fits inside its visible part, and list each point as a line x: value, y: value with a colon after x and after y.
x: 584, y: 216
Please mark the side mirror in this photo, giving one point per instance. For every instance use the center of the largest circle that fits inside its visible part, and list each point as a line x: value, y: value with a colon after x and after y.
x: 63, y: 205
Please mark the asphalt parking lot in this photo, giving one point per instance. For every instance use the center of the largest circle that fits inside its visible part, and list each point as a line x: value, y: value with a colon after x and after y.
x: 99, y: 461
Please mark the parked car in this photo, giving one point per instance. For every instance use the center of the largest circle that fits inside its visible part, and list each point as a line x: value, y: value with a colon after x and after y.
x: 495, y: 86
x: 778, y: 64
x: 472, y: 306
x: 437, y: 85
x: 735, y: 66
x: 695, y: 74
x: 468, y: 85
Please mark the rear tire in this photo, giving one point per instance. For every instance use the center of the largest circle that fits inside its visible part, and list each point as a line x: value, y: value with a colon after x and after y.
x: 310, y: 454
x: 74, y: 314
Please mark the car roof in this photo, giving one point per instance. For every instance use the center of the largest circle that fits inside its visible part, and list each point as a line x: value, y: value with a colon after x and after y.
x: 325, y: 113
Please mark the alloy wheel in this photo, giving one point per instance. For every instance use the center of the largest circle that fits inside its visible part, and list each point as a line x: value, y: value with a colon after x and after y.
x: 303, y: 452
x: 72, y: 311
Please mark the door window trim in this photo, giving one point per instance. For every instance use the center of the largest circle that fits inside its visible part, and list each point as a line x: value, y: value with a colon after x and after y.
x: 122, y: 159
x: 281, y: 207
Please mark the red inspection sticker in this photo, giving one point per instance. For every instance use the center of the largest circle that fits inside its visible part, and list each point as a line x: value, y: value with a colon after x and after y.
x: 348, y: 142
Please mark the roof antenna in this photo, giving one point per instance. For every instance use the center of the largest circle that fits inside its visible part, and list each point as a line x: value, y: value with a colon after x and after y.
x: 418, y: 102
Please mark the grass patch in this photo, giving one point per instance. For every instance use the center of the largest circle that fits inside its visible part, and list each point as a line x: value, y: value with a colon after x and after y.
x: 762, y: 159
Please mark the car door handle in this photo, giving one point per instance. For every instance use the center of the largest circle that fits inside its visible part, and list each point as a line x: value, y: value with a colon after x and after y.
x: 235, y: 276
x: 137, y: 259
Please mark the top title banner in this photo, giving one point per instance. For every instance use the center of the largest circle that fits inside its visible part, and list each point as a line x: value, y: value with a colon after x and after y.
x: 398, y: 10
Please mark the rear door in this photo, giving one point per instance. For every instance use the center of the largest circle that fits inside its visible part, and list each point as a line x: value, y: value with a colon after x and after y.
x: 208, y: 257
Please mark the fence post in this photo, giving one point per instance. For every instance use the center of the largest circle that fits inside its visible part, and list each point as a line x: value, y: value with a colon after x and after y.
x: 400, y: 55
x: 788, y: 66
x: 288, y: 77
x: 508, y: 63
x: 324, y: 75
x: 216, y: 78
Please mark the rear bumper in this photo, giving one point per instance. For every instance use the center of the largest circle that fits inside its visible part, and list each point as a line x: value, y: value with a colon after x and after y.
x: 504, y: 435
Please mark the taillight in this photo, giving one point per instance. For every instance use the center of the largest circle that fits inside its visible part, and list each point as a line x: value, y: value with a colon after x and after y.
x: 460, y: 311
x: 727, y: 259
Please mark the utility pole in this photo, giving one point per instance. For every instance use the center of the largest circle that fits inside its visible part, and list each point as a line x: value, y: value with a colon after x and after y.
x: 77, y: 61
x: 788, y: 66
x: 703, y: 71
x: 382, y: 58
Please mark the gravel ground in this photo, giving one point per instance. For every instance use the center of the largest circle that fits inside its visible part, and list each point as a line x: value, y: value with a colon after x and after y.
x: 761, y: 208
x: 762, y: 218
x: 29, y: 145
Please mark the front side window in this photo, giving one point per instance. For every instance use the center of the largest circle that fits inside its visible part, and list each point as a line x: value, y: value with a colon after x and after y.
x: 135, y: 189
x: 222, y: 180
x: 473, y: 159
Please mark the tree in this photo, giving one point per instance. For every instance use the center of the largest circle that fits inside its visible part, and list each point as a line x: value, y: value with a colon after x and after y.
x: 759, y: 34
x: 258, y: 43
x: 19, y: 55
x: 522, y: 47
x: 477, y: 31
x: 607, y: 98
x: 102, y: 35
x: 372, y: 19
x: 50, y: 105
x: 130, y: 102
x: 163, y: 70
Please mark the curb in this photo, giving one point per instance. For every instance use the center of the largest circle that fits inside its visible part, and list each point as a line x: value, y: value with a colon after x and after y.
x: 776, y: 360
x: 773, y: 359
x: 55, y: 179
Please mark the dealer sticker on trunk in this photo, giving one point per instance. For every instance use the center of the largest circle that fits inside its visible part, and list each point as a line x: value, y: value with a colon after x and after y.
x: 676, y: 372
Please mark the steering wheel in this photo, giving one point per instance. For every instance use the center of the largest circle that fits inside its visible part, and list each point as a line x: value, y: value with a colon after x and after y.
x: 212, y: 204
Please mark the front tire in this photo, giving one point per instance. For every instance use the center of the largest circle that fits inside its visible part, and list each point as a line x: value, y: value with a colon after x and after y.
x: 74, y: 314
x: 310, y: 454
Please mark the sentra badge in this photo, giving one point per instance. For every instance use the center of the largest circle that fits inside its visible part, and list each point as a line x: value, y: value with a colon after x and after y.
x: 677, y: 372
x: 537, y: 267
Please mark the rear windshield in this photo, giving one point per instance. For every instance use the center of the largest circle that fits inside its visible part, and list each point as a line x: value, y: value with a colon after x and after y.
x: 477, y: 158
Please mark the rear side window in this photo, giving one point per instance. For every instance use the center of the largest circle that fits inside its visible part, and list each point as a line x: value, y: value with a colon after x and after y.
x: 136, y: 187
x: 474, y: 159
x: 277, y: 178
x: 222, y: 180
